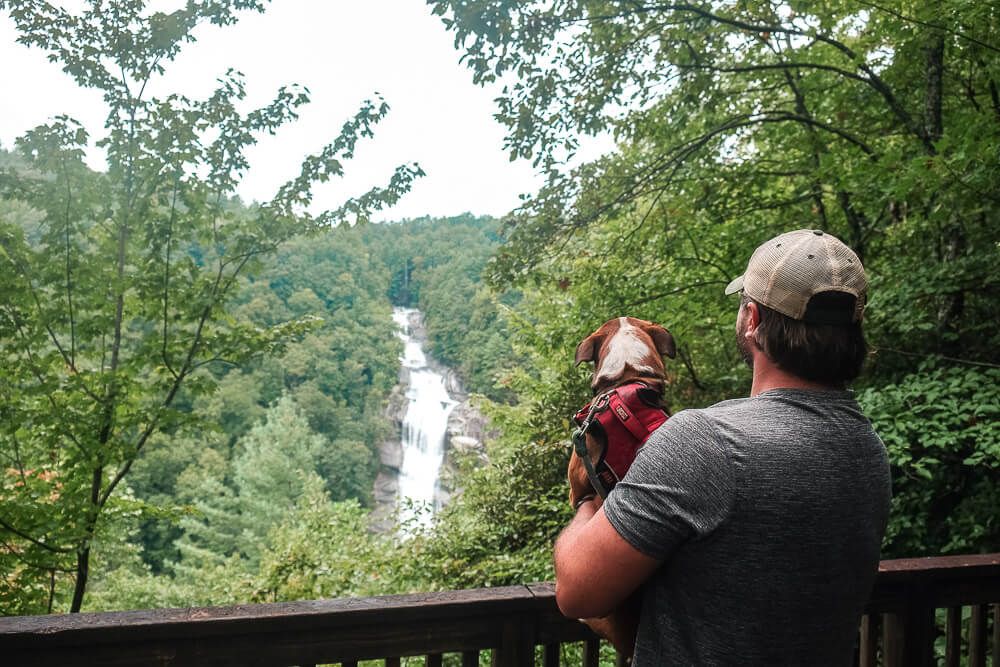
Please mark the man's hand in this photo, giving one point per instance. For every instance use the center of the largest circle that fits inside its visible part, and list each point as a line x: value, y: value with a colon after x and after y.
x: 579, y: 482
x: 621, y: 626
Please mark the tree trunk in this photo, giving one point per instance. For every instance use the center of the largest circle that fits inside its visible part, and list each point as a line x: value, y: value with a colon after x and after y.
x: 953, y: 235
x: 83, y: 553
x: 82, y: 572
x: 933, y: 126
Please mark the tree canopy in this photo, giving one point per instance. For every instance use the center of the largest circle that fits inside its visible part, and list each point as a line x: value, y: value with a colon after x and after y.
x: 116, y: 302
x: 877, y: 122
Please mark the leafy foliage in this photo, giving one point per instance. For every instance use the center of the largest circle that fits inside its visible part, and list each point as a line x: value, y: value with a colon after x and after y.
x: 437, y: 266
x: 939, y: 425
x: 734, y: 122
x: 115, y: 310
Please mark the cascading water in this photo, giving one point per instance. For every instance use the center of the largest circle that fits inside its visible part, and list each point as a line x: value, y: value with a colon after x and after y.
x: 424, y: 426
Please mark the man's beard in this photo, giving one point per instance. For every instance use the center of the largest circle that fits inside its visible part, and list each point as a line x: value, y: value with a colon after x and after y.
x: 743, y: 344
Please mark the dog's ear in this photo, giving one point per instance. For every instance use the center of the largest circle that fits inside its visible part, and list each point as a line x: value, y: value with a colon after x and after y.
x: 588, y: 348
x: 662, y: 339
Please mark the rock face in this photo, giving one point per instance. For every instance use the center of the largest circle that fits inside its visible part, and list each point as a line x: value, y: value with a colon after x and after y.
x: 465, y: 435
x: 390, y: 454
x: 465, y: 438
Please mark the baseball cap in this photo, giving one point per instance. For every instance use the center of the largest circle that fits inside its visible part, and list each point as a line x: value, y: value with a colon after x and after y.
x: 786, y: 272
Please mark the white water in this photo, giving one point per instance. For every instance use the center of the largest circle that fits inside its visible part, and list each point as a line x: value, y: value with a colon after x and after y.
x: 424, y: 428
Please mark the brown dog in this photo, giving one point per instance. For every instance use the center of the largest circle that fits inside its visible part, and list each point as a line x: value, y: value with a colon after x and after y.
x: 624, y: 350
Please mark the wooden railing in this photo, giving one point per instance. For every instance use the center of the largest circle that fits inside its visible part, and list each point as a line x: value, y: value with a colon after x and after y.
x: 514, y: 624
x: 906, y: 601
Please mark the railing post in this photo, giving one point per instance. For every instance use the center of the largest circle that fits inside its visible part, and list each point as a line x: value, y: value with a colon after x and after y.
x: 517, y: 643
x: 996, y: 635
x: 977, y: 636
x: 953, y: 637
x: 908, y: 638
x: 591, y: 652
x: 868, y: 644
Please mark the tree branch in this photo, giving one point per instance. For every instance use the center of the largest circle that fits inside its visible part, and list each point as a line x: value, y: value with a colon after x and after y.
x: 923, y: 355
x: 872, y: 78
x: 676, y: 290
x: 928, y: 24
x: 36, y: 542
x: 188, y: 366
x: 685, y: 358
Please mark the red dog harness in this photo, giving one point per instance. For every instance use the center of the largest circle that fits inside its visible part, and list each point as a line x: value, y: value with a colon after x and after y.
x: 628, y: 415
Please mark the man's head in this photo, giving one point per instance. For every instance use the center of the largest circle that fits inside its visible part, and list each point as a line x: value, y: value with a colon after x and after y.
x: 803, y: 298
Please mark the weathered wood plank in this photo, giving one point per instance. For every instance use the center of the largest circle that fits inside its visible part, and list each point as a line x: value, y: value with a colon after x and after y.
x: 591, y: 653
x: 509, y: 621
x: 868, y: 641
x: 945, y: 581
x: 309, y: 632
x: 996, y: 635
x: 551, y: 656
x: 932, y: 567
x: 304, y: 614
x: 517, y: 644
x: 908, y: 640
x: 953, y: 637
x: 977, y: 636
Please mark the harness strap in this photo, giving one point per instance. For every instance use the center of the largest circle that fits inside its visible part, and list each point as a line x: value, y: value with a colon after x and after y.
x: 639, y: 421
x: 628, y: 418
x: 580, y: 444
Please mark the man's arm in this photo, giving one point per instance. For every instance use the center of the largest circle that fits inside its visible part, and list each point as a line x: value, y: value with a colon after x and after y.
x: 596, y: 569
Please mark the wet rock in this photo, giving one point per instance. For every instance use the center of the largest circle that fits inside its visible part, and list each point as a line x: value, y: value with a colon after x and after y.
x: 390, y: 450
x: 386, y: 490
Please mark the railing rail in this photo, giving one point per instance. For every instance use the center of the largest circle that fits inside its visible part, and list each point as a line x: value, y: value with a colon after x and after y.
x: 898, y: 630
x: 905, y: 602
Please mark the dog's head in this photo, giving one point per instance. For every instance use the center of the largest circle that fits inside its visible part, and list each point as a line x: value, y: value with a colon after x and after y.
x: 624, y: 349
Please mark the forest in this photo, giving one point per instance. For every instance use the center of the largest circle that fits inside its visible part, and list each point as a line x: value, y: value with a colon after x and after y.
x: 193, y: 385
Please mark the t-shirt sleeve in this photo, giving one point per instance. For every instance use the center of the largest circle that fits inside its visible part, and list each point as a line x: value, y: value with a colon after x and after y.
x: 679, y: 488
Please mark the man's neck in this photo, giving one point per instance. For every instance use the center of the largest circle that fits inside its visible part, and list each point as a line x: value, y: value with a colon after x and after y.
x: 767, y: 376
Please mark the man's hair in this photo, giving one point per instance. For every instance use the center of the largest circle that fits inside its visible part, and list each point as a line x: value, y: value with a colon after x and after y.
x: 830, y: 354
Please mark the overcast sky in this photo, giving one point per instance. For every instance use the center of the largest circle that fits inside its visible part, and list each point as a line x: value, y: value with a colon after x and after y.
x: 343, y: 51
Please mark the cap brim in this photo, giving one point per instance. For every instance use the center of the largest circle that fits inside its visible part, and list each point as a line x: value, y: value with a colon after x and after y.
x: 735, y: 286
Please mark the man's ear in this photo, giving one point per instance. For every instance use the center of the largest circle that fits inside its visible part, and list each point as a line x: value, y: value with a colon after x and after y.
x: 753, y: 317
x: 662, y: 339
x: 588, y: 347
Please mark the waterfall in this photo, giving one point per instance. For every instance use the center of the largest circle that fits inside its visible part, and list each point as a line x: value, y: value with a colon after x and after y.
x: 424, y: 425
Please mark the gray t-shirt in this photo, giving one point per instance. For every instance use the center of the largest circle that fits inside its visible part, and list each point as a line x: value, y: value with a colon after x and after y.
x: 768, y: 514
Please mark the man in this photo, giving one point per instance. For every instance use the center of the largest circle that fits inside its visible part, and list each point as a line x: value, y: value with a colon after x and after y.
x: 754, y: 525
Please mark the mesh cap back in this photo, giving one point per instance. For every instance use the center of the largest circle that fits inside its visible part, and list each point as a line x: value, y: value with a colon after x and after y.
x: 786, y: 272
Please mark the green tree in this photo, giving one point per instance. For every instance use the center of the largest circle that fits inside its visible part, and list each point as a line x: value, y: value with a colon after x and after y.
x: 437, y: 266
x: 321, y: 549
x: 116, y: 302
x: 269, y: 469
x: 939, y: 425
x: 875, y: 121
